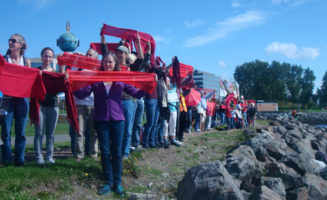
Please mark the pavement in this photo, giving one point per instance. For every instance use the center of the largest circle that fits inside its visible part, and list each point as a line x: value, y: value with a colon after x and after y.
x: 30, y: 139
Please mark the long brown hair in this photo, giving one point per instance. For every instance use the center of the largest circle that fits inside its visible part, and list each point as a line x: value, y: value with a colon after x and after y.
x: 110, y: 53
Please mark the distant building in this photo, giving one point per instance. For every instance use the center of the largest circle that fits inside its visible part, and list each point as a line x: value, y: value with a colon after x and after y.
x: 206, y: 80
x: 36, y: 62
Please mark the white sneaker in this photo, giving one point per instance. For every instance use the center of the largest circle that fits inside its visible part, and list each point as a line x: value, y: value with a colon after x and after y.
x: 50, y: 161
x: 40, y: 161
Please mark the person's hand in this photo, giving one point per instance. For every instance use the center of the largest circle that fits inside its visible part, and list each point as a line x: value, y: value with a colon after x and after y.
x: 138, y: 37
x: 40, y: 72
x: 148, y: 45
x: 79, y: 53
x: 103, y: 39
x: 66, y: 76
x: 156, y: 78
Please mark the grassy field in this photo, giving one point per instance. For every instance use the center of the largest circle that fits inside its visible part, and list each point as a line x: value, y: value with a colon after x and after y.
x: 61, y: 128
x: 68, y: 179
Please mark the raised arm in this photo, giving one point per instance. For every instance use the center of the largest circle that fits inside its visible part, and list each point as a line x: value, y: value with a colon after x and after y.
x: 138, y: 47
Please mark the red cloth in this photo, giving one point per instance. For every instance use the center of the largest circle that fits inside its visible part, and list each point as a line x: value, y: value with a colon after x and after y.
x: 159, y: 62
x: 20, y: 81
x: 124, y: 68
x: 184, y: 70
x: 79, y: 61
x: 130, y: 34
x: 193, y: 98
x: 144, y: 81
x: 54, y: 84
x: 210, y: 108
x: 110, y: 46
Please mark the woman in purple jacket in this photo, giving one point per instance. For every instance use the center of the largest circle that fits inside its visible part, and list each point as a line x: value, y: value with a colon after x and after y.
x: 109, y: 123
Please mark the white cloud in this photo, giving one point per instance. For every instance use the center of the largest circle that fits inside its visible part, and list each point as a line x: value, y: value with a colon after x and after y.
x: 236, y: 4
x: 290, y: 50
x: 223, y: 28
x: 221, y: 63
x: 37, y: 3
x: 193, y: 24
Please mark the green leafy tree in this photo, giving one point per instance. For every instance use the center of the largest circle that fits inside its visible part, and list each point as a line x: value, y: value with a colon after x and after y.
x: 307, y: 85
x: 322, y: 92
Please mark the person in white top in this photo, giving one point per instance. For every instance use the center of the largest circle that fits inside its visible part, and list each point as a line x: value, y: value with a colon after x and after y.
x: 17, y: 107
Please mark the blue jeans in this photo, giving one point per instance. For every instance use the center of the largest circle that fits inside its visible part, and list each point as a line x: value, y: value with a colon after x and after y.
x: 222, y: 118
x: 197, y: 121
x: 150, y: 134
x: 139, y: 110
x: 129, y: 113
x: 18, y: 109
x: 245, y: 119
x: 189, y: 117
x: 110, y: 135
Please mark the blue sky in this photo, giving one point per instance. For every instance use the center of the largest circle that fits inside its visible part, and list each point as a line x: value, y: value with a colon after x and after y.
x: 211, y: 35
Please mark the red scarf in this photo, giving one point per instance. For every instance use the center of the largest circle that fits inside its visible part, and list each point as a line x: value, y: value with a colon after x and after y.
x: 110, y: 46
x: 130, y: 34
x: 20, y: 81
x: 54, y: 84
x: 83, y: 62
x: 79, y: 61
x: 144, y: 81
x: 185, y: 70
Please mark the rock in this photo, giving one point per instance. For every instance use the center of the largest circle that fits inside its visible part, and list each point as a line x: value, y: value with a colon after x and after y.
x: 264, y: 193
x: 300, y: 193
x: 165, y: 175
x: 139, y: 196
x: 291, y: 179
x: 317, y: 187
x: 275, y: 184
x: 208, y: 181
x: 242, y: 163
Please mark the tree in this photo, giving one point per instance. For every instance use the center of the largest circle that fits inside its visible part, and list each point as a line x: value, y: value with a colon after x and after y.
x: 322, y: 92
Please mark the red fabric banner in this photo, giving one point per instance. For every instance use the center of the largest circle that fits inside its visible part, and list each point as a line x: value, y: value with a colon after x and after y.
x: 54, y: 84
x: 20, y: 81
x: 143, y: 81
x: 110, y: 46
x: 79, y: 61
x: 130, y: 34
x: 185, y: 70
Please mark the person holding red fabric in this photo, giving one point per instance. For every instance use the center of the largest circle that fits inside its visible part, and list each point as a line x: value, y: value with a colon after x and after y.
x: 122, y: 53
x: 17, y: 107
x: 48, y: 115
x: 109, y: 123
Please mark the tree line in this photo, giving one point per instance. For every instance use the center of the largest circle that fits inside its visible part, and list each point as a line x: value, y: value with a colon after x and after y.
x: 280, y: 82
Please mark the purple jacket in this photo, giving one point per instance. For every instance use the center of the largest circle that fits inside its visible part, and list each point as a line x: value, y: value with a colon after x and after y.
x: 107, y: 107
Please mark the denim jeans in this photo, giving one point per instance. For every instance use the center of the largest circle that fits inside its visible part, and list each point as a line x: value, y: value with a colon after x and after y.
x: 222, y: 118
x: 110, y: 135
x: 189, y: 117
x: 129, y: 113
x: 197, y: 121
x: 18, y: 109
x: 138, y: 120
x: 245, y: 118
x: 150, y: 134
x: 47, y: 124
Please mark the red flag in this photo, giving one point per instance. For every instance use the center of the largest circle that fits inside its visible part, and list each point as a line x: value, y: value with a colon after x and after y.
x: 184, y: 70
x: 20, y: 81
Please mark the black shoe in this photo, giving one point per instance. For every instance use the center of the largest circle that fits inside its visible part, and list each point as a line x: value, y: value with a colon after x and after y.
x: 160, y: 145
x: 20, y: 164
x: 166, y: 146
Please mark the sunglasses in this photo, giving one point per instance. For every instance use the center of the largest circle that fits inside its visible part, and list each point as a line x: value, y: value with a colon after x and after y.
x: 13, y: 40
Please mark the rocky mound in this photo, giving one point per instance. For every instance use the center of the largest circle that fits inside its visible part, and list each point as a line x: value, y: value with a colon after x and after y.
x: 279, y: 162
x: 311, y: 118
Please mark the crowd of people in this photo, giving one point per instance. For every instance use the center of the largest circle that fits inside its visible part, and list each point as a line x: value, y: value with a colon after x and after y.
x: 111, y: 114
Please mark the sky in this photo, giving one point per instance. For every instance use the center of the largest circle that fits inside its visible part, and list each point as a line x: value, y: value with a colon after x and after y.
x: 211, y: 35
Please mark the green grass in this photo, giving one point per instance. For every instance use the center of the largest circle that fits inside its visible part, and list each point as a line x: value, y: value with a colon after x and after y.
x: 61, y: 129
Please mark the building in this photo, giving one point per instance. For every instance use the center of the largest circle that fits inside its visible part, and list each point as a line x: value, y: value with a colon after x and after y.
x: 206, y: 80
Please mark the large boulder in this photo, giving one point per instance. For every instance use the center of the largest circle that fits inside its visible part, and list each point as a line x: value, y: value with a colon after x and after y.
x: 208, y: 181
x: 264, y: 193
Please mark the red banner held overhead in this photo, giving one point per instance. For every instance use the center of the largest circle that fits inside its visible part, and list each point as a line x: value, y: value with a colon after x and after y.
x: 79, y: 61
x: 131, y: 34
